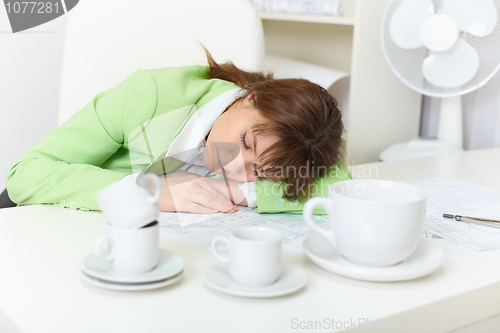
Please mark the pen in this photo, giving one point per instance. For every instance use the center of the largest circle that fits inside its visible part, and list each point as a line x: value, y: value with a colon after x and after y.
x: 477, y: 220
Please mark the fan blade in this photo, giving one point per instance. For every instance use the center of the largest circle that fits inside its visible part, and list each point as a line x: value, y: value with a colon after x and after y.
x: 453, y: 68
x: 407, y: 20
x: 478, y: 17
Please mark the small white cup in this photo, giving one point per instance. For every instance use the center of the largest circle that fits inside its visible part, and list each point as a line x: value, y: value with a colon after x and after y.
x: 254, y: 255
x: 130, y: 251
x: 129, y: 203
x: 372, y: 222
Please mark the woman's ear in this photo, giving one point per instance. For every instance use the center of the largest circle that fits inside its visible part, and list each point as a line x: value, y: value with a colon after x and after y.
x: 251, y: 98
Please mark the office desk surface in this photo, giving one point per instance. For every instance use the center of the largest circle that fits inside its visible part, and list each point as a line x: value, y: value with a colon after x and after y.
x: 41, y: 248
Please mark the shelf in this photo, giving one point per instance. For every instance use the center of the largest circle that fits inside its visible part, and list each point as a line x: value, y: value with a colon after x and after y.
x: 341, y: 20
x: 351, y: 43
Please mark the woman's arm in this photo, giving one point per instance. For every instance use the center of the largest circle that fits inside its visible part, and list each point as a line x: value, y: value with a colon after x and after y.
x: 64, y: 165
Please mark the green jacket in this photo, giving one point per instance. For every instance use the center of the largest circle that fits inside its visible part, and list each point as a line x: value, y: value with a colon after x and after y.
x: 94, y: 148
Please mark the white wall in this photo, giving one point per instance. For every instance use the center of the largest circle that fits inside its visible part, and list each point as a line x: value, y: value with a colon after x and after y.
x: 30, y: 70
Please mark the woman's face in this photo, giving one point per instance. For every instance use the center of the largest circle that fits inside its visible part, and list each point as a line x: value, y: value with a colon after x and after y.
x: 231, y: 148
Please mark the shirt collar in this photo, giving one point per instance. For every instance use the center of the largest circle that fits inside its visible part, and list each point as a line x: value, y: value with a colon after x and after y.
x: 189, y: 145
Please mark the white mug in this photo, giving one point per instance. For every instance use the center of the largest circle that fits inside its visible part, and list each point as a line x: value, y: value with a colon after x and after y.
x: 129, y: 203
x: 372, y: 222
x: 254, y: 255
x: 130, y: 251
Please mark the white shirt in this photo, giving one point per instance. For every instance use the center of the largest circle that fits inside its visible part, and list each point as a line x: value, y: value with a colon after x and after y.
x: 189, y: 145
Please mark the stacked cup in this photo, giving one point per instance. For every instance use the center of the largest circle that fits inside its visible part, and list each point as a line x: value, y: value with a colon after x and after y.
x: 133, y: 235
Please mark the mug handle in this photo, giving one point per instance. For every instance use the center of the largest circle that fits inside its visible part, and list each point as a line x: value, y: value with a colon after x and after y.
x: 308, y: 217
x: 109, y: 255
x: 223, y: 258
x: 157, y: 183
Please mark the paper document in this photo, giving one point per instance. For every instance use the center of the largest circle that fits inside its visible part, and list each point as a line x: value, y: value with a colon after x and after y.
x: 460, y: 197
x: 198, y: 230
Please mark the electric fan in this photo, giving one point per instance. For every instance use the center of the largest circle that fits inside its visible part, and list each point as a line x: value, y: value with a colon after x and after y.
x: 441, y: 48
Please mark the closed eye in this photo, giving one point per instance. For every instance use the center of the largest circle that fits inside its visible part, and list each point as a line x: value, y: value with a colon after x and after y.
x: 243, y: 141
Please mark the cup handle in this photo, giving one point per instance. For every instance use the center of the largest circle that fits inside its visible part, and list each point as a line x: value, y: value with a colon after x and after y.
x: 308, y: 217
x: 223, y: 258
x: 157, y: 183
x: 109, y: 255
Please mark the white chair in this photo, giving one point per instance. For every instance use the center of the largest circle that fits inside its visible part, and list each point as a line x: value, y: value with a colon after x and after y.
x: 106, y: 41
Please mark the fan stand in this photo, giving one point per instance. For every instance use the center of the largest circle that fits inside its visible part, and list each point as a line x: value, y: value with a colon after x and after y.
x: 449, y: 140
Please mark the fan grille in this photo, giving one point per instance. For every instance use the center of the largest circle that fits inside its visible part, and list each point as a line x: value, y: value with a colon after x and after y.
x: 406, y: 64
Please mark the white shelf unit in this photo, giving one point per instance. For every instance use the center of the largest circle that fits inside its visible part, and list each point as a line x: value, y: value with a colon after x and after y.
x: 382, y: 110
x: 308, y: 18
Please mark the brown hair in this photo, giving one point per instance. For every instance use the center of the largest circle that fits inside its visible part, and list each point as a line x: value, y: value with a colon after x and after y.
x: 304, y: 115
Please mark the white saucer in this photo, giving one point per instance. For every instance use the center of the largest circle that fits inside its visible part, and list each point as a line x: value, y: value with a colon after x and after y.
x: 426, y: 259
x: 169, y: 264
x: 130, y: 286
x: 291, y: 279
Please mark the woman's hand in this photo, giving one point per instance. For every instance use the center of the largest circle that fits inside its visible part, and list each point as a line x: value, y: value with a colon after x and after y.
x: 186, y: 192
x: 229, y: 188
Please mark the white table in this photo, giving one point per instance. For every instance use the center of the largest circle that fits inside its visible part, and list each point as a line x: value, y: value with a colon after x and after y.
x: 41, y: 248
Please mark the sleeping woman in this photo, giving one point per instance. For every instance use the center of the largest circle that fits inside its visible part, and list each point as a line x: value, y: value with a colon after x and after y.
x: 217, y: 135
